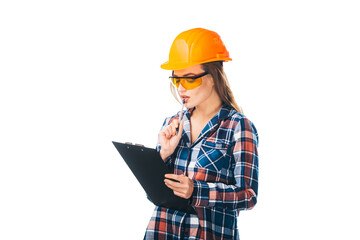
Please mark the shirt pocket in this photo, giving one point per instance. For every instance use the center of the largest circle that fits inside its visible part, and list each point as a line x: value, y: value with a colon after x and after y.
x: 212, y: 156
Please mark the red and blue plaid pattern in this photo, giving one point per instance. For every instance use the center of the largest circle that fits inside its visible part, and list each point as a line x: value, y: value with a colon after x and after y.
x: 223, y: 163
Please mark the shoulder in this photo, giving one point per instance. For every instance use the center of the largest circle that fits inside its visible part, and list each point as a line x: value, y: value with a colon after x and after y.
x: 242, y: 121
x: 236, y: 120
x: 241, y: 125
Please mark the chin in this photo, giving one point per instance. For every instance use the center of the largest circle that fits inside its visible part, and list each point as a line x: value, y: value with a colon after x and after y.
x: 189, y: 105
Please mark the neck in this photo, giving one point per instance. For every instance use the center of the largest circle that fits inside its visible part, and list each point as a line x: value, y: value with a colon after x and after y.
x: 208, y: 108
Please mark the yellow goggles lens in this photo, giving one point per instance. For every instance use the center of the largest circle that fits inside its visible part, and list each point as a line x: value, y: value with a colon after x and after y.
x: 187, y: 82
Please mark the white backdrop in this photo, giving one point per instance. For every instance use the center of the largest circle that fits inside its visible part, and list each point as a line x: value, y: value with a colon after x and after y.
x: 76, y: 75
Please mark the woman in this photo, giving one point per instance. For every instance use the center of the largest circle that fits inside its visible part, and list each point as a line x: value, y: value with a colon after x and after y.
x: 213, y: 156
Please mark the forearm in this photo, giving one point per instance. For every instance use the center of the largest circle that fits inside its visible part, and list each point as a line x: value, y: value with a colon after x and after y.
x: 222, y: 195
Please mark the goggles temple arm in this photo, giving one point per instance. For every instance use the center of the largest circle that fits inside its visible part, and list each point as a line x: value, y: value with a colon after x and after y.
x: 194, y: 77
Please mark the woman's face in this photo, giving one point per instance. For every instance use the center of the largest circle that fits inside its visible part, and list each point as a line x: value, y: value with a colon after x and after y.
x: 196, y: 96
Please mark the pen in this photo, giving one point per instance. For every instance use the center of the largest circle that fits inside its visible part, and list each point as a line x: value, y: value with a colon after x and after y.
x: 181, y: 116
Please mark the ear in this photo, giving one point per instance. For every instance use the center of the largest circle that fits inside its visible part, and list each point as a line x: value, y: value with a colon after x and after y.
x: 210, y: 80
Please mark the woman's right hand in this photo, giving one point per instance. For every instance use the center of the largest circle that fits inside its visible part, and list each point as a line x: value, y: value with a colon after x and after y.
x: 168, y: 138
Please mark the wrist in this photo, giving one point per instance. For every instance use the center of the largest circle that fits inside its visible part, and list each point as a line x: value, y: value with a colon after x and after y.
x: 164, y: 155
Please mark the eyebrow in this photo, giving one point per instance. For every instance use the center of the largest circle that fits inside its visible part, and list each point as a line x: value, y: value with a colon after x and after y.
x: 186, y: 75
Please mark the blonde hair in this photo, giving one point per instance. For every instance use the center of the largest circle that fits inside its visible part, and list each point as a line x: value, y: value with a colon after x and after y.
x: 222, y: 86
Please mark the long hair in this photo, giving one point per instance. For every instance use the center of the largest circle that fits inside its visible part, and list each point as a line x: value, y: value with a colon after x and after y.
x: 221, y: 84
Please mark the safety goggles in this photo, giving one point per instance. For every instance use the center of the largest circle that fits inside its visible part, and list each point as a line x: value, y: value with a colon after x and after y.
x: 188, y: 82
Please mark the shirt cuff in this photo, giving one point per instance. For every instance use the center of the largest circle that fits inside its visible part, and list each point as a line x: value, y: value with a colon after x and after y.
x: 200, y: 195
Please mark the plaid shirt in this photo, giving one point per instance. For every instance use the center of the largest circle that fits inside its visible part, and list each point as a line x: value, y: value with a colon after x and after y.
x: 223, y: 163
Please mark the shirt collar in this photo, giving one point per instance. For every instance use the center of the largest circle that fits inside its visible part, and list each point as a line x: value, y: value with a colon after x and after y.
x: 225, y: 112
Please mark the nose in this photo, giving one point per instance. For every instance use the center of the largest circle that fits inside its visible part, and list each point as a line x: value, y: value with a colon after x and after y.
x: 181, y: 88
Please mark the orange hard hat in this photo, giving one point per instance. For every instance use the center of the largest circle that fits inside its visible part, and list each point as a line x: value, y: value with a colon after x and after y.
x: 196, y: 46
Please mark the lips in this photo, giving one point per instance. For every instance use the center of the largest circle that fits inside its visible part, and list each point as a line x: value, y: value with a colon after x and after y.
x: 184, y: 97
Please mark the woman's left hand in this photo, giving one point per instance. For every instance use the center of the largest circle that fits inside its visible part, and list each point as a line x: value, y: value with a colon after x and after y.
x: 184, y: 188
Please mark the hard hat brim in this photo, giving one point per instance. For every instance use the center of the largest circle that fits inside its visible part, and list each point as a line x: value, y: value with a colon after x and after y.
x: 177, y: 66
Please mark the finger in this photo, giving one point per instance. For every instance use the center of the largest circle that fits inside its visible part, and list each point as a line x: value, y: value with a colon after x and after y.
x: 174, y: 185
x: 173, y: 128
x: 168, y: 132
x: 165, y: 134
x: 174, y: 125
x: 179, y: 194
x: 173, y: 176
x: 161, y: 134
x: 174, y: 188
x: 169, y: 186
x: 175, y: 122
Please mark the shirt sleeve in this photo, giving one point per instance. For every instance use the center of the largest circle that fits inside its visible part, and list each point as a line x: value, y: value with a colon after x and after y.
x: 242, y: 195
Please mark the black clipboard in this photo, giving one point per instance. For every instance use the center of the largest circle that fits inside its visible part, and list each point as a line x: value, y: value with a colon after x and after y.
x: 149, y: 169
